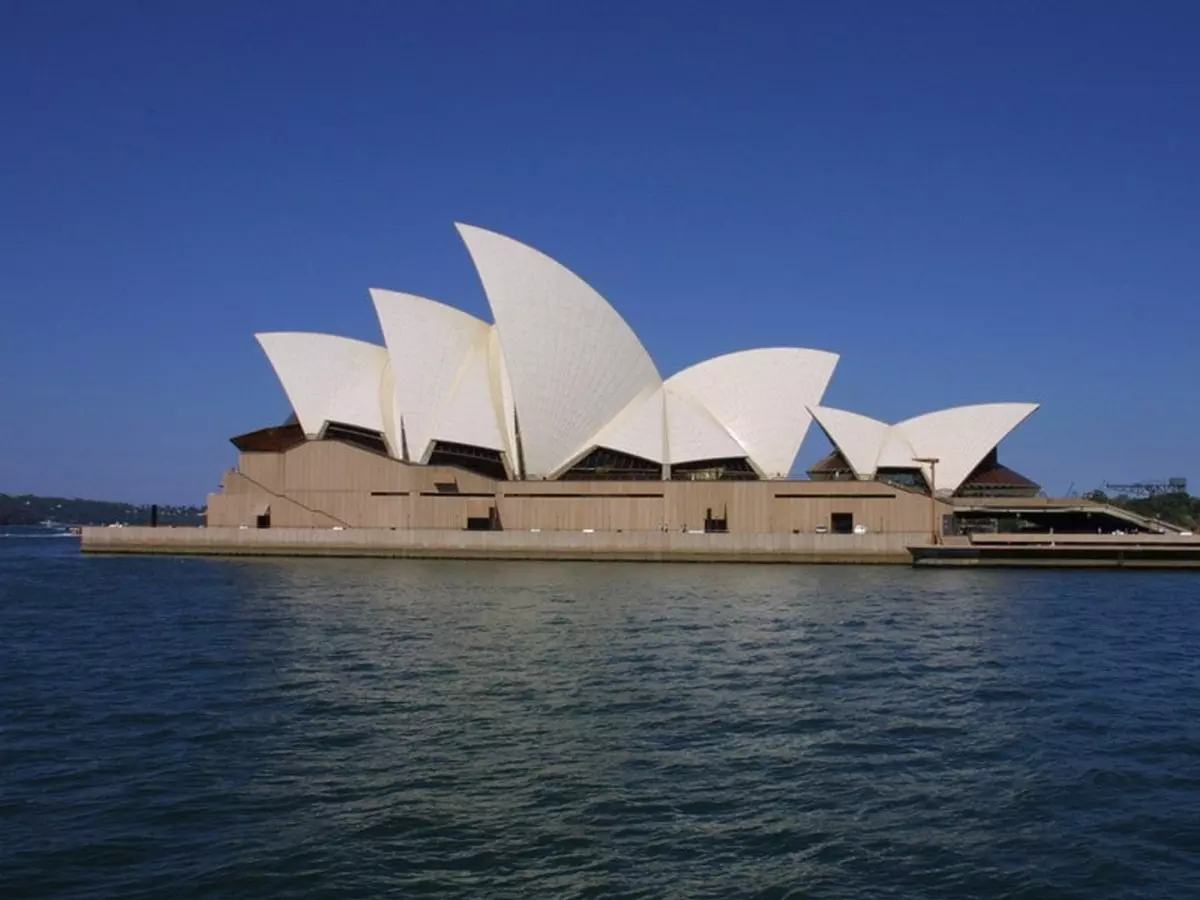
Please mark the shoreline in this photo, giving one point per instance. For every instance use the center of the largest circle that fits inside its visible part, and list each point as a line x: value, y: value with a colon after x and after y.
x: 898, y: 549
x: 636, y: 546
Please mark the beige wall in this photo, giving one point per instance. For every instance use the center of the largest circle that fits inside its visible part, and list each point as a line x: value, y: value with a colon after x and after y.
x: 880, y: 508
x: 327, y: 483
x: 643, y: 545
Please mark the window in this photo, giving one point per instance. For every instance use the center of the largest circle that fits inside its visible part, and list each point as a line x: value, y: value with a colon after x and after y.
x: 716, y: 524
x: 731, y: 469
x: 480, y: 460
x: 490, y: 522
x: 606, y: 464
x: 842, y: 523
x: 365, y: 438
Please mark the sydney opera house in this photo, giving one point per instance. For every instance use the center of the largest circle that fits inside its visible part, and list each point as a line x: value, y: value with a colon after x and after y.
x: 553, y: 417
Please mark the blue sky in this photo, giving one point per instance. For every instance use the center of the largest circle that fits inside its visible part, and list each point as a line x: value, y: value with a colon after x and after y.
x: 969, y: 201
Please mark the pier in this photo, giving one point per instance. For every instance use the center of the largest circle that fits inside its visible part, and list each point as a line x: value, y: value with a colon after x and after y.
x: 1105, y: 551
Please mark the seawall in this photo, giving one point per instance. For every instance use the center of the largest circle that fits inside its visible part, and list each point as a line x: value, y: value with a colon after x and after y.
x: 635, y: 546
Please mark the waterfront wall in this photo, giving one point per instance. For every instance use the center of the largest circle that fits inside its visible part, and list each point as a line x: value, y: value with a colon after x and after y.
x: 322, y: 484
x: 649, y: 546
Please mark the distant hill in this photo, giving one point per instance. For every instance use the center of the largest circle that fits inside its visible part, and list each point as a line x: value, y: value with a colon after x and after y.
x: 1177, y: 508
x: 28, y: 509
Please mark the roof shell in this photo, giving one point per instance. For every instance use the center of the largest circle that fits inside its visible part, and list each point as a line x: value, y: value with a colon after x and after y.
x: 502, y: 396
x: 958, y: 438
x: 858, y: 437
x: 431, y: 347
x: 328, y: 378
x: 762, y: 398
x: 564, y: 360
x: 573, y: 362
x: 639, y: 429
x: 693, y: 432
x: 471, y: 413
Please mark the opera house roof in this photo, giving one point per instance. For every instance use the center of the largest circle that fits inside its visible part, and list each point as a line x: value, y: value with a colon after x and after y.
x: 559, y: 386
x: 955, y: 440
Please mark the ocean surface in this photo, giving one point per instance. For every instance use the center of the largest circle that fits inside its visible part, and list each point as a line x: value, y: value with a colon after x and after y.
x: 179, y: 728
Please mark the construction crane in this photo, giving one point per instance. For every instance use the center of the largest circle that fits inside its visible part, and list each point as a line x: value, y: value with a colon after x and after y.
x: 1149, y: 488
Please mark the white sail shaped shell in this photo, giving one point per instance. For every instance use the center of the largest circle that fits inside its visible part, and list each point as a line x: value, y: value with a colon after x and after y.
x: 960, y: 437
x: 502, y: 396
x: 564, y: 365
x: 859, y: 438
x: 762, y: 398
x: 387, y: 408
x: 429, y: 344
x: 573, y: 362
x: 328, y: 378
x: 694, y: 434
x: 896, y: 452
x: 639, y: 429
x: 470, y: 414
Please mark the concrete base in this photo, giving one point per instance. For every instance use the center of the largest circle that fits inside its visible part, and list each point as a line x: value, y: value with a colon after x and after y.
x: 641, y: 546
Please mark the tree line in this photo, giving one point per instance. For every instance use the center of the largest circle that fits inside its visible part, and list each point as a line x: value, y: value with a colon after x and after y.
x: 1177, y: 508
x: 30, y: 509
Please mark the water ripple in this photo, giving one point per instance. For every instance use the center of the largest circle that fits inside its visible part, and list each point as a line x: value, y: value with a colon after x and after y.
x: 320, y: 728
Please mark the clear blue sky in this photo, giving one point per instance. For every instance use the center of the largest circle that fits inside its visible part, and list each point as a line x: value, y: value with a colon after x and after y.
x: 969, y: 201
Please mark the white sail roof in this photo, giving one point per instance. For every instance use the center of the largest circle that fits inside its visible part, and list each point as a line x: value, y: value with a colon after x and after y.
x: 668, y: 426
x: 639, y: 429
x: 762, y: 398
x: 859, y: 438
x: 693, y: 433
x: 328, y: 378
x: 958, y: 438
x: 502, y: 396
x: 562, y: 363
x: 431, y: 346
x: 896, y: 452
x: 471, y: 413
x: 573, y: 362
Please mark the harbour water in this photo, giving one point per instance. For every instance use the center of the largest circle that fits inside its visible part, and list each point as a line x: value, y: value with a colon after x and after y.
x: 311, y: 728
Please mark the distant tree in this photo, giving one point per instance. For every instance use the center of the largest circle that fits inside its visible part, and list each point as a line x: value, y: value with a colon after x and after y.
x: 28, y: 509
x: 1178, y: 508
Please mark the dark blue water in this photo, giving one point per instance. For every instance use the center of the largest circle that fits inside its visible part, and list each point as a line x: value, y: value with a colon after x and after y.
x: 200, y: 728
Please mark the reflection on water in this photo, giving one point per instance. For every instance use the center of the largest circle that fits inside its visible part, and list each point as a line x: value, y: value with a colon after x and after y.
x: 319, y: 728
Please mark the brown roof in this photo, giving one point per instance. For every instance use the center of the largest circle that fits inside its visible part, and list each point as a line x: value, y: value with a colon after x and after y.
x: 269, y: 440
x: 834, y: 462
x: 997, y: 474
